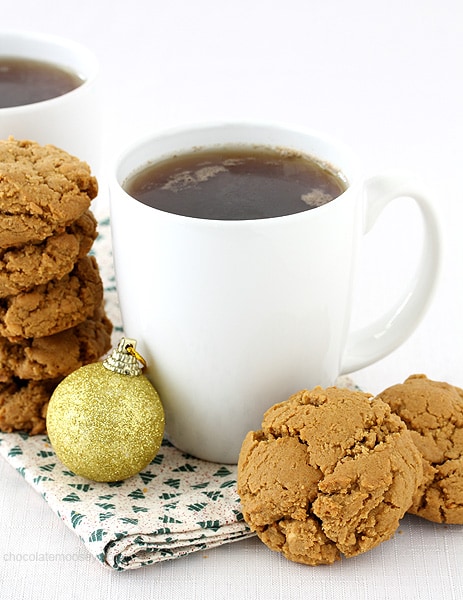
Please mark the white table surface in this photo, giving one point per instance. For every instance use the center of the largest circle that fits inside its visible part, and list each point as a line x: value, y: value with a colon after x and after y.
x: 387, y: 78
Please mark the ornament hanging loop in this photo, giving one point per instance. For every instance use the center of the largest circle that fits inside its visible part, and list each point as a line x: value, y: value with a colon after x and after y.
x: 125, y: 359
x: 131, y: 350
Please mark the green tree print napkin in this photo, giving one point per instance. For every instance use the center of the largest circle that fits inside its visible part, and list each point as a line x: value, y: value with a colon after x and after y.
x: 175, y: 506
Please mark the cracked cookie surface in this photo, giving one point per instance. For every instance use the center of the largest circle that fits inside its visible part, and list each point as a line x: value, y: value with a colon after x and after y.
x: 331, y: 472
x: 24, y: 267
x: 23, y: 405
x: 433, y: 413
x: 55, y: 306
x: 43, y: 189
x: 57, y: 355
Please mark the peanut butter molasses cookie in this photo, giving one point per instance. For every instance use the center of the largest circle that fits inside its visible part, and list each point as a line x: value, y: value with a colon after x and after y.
x: 43, y: 189
x: 24, y: 267
x: 57, y: 355
x: 23, y: 405
x: 433, y: 413
x: 331, y: 471
x: 55, y: 306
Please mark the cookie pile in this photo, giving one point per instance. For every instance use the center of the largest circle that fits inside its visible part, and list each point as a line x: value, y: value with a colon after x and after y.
x: 332, y: 471
x: 52, y: 318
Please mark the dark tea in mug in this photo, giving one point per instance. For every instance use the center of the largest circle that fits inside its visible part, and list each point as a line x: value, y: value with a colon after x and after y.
x: 26, y: 81
x: 236, y: 183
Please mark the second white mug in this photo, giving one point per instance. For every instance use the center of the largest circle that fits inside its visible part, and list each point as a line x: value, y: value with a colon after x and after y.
x: 71, y: 121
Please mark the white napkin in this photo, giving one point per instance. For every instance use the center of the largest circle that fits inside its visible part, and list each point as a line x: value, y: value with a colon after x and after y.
x: 175, y: 506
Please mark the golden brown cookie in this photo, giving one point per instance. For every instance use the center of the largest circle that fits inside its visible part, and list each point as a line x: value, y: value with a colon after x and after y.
x: 331, y: 471
x: 43, y: 189
x: 23, y: 405
x: 55, y: 306
x: 24, y: 267
x: 57, y: 355
x: 433, y: 413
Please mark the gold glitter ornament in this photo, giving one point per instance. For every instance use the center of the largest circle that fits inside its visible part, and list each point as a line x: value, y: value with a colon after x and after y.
x: 105, y: 421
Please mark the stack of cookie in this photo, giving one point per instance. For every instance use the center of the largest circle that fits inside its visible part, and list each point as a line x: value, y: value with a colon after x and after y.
x: 52, y: 318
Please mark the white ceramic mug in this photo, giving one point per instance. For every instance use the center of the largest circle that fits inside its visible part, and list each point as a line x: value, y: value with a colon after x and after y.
x: 71, y: 121
x: 234, y: 316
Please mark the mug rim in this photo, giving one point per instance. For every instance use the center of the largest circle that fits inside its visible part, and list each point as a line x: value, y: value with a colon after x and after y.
x: 120, y: 172
x: 86, y: 57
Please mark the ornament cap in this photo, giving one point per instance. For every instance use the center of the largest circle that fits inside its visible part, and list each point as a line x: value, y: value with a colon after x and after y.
x: 124, y: 359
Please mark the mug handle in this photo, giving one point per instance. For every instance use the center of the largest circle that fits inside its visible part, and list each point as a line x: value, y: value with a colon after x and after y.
x: 374, y: 341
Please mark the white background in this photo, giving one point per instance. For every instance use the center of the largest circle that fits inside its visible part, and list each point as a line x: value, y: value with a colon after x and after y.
x: 385, y: 77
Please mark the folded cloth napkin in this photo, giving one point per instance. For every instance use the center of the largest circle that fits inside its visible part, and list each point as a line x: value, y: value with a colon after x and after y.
x: 177, y: 505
